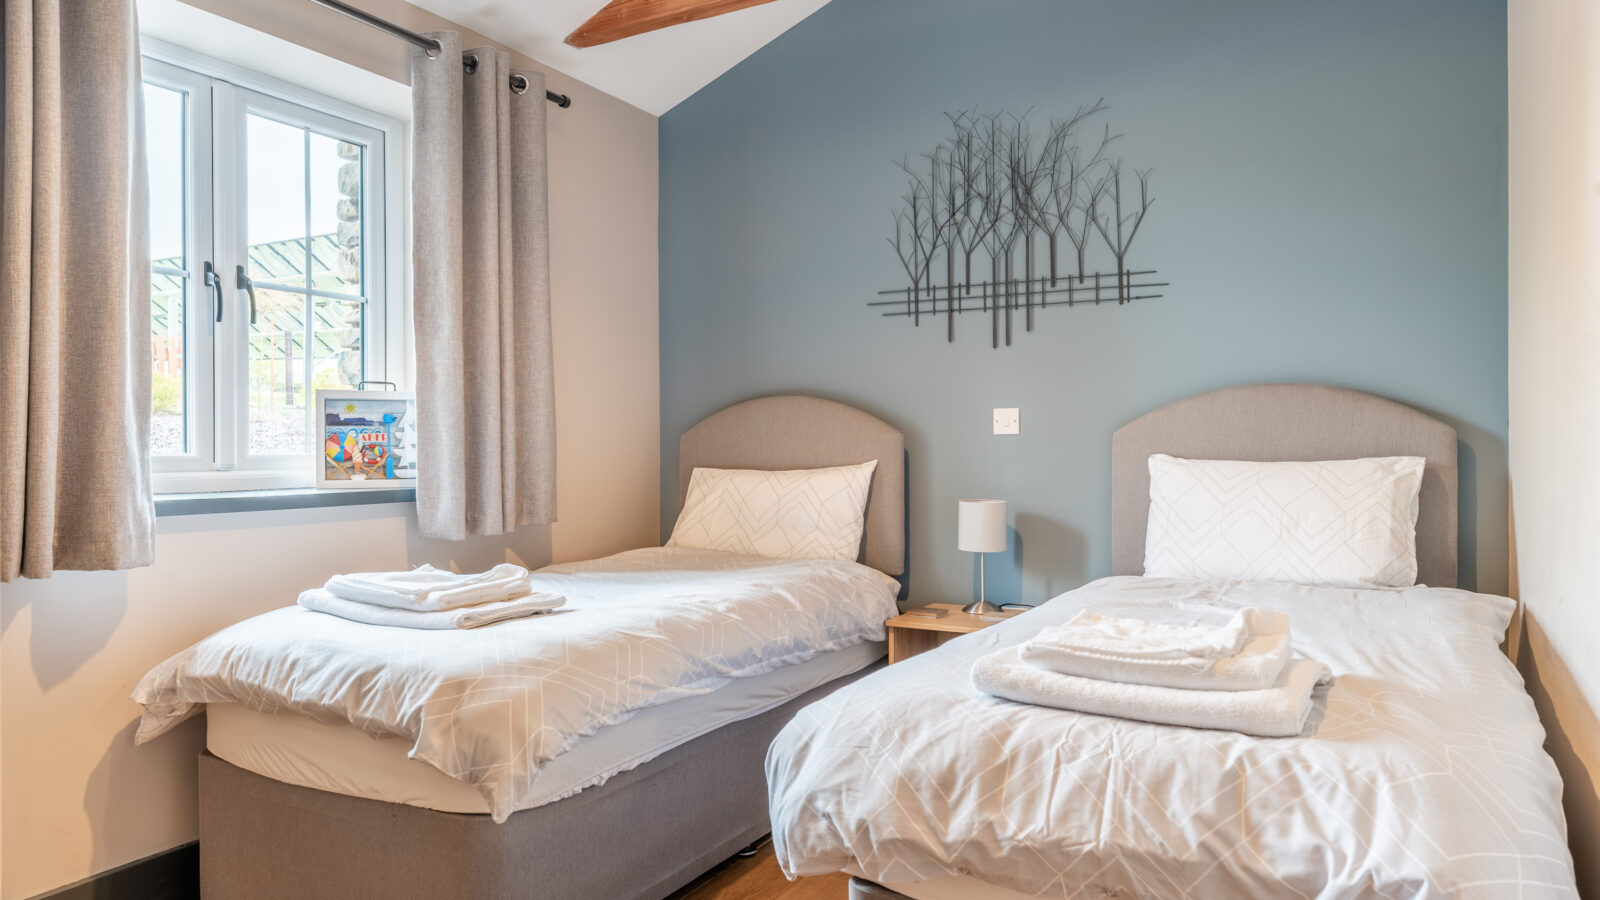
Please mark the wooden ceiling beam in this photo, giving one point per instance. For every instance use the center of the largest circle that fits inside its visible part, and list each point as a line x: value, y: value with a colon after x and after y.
x: 625, y: 18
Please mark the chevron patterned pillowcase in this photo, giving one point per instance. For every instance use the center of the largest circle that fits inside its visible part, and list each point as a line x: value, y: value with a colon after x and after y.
x: 793, y: 514
x: 1342, y: 523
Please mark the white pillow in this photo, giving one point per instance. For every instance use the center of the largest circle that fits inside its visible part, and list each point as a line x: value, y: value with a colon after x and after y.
x: 1341, y: 523
x: 793, y: 514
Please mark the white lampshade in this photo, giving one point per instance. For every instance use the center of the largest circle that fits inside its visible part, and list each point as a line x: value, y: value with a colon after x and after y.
x: 981, y: 527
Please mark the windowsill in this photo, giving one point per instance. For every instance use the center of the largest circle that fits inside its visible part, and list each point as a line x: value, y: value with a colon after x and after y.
x: 292, y: 498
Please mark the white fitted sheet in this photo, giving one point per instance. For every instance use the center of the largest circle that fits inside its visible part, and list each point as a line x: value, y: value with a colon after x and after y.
x: 343, y: 759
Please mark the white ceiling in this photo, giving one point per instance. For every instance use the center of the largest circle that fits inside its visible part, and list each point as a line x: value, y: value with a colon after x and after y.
x: 654, y: 71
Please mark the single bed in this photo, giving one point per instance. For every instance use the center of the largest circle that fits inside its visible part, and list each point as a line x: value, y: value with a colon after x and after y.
x: 311, y: 798
x: 1421, y: 771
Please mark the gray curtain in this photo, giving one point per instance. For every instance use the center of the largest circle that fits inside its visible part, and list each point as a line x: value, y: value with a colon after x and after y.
x: 481, y: 268
x: 74, y: 291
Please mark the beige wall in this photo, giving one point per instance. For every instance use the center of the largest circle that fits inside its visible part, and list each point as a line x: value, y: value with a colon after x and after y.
x: 1554, y: 163
x: 76, y: 797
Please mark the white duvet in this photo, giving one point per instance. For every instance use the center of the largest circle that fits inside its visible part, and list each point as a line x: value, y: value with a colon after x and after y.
x: 491, y: 706
x: 1420, y: 774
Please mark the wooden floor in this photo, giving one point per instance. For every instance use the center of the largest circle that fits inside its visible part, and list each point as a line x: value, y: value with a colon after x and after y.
x: 759, y: 878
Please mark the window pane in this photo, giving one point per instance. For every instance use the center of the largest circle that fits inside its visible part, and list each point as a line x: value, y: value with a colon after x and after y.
x: 301, y: 341
x: 163, y: 129
x: 168, y: 416
x: 276, y: 201
x: 278, y: 374
x: 336, y: 361
x: 164, y: 137
x: 336, y: 177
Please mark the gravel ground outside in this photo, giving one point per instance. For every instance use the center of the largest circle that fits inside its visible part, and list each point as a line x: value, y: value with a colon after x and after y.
x: 280, y: 434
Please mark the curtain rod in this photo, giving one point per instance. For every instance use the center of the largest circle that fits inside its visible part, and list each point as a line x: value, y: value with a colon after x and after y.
x: 428, y: 45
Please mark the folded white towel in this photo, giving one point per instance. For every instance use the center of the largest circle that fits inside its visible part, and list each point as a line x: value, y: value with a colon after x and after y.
x: 1255, y: 666
x: 320, y: 600
x: 426, y: 589
x: 1279, y: 711
x: 1138, y: 639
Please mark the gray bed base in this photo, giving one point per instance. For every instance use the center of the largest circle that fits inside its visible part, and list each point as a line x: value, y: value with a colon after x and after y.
x: 642, y: 834
x: 862, y: 889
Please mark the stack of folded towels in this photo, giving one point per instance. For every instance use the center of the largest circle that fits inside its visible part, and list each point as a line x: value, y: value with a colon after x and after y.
x: 1237, y: 677
x: 431, y: 598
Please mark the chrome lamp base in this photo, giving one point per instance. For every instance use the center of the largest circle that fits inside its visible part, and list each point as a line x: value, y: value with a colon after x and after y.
x: 981, y: 607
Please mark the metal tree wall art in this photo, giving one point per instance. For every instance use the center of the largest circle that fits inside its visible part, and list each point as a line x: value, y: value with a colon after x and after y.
x: 1039, y: 211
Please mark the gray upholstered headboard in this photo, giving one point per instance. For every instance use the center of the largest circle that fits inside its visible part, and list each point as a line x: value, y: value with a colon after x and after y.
x: 1277, y: 422
x: 810, y: 433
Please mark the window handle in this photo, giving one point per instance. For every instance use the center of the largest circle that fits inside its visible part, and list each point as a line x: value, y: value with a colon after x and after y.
x: 214, y: 283
x: 242, y: 281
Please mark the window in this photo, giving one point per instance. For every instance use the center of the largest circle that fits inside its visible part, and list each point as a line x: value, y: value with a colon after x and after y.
x: 269, y: 266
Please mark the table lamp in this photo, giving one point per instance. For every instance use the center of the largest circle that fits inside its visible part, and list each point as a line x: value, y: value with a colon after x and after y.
x: 981, y: 528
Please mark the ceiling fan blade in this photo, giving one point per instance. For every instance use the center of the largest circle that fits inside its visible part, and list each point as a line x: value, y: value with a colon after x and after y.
x: 626, y: 18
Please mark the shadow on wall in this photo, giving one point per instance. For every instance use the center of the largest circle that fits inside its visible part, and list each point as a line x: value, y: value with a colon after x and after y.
x: 74, y: 617
x: 1476, y: 450
x: 1467, y: 510
x: 529, y: 547
x: 117, y: 801
x: 75, y: 614
x: 1003, y: 570
x: 1569, y: 724
x: 1065, y: 566
x: 1060, y: 568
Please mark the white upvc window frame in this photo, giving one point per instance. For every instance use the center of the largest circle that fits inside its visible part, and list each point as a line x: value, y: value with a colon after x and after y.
x: 220, y: 97
x: 198, y: 314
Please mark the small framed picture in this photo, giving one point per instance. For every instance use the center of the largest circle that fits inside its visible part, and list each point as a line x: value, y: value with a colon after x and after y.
x: 368, y: 439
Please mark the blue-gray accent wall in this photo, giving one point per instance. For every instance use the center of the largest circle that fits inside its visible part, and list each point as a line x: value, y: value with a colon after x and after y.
x: 1330, y: 184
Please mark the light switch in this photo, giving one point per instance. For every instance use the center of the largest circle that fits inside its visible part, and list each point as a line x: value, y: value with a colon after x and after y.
x: 1007, y: 421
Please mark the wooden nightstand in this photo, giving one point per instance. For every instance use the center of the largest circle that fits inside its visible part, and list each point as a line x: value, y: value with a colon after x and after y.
x: 910, y: 635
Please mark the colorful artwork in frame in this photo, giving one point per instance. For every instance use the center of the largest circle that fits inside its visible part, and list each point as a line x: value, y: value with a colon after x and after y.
x: 367, y: 439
